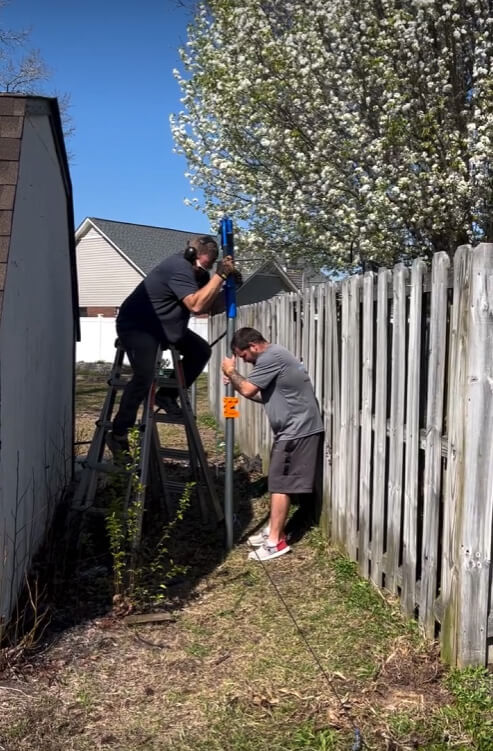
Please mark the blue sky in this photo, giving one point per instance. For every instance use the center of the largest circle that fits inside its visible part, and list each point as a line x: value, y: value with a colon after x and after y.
x: 115, y: 59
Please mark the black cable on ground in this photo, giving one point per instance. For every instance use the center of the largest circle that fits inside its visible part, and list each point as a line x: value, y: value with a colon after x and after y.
x: 358, y: 739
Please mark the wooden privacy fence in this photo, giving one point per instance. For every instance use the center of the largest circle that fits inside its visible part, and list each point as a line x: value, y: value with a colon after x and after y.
x: 402, y: 365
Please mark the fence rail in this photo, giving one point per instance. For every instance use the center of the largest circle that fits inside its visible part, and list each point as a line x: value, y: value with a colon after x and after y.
x: 402, y: 366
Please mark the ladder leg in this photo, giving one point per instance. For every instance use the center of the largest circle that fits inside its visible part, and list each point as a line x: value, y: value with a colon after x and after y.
x: 86, y: 488
x: 197, y: 476
x: 161, y: 470
x: 143, y: 468
x: 193, y: 436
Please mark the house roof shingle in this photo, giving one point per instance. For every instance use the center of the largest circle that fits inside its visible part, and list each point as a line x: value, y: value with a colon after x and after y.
x: 306, y: 277
x: 146, y: 246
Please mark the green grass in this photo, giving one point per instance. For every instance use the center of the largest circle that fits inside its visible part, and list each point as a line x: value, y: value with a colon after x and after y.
x: 207, y: 421
x: 241, y: 738
x: 464, y: 723
x: 472, y: 711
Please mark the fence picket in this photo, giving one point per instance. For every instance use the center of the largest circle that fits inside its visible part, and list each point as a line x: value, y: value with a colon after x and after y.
x: 380, y: 437
x: 354, y: 416
x: 409, y: 542
x: 433, y: 448
x: 345, y: 443
x: 337, y: 497
x: 328, y: 412
x: 474, y: 552
x: 396, y: 432
x: 305, y: 333
x: 321, y: 359
x: 298, y: 351
x: 366, y: 426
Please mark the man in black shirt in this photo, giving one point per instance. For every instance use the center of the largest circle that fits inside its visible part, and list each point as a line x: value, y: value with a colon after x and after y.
x: 157, y: 313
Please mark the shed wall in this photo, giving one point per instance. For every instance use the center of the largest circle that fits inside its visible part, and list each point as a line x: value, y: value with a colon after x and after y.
x: 36, y: 359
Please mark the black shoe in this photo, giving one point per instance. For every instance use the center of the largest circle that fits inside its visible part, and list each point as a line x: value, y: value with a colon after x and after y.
x: 118, y: 445
x: 168, y: 404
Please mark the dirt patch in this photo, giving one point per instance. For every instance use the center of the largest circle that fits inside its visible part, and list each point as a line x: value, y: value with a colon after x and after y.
x: 411, y: 675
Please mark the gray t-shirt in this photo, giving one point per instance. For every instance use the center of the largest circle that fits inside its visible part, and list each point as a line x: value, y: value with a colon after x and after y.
x: 287, y: 394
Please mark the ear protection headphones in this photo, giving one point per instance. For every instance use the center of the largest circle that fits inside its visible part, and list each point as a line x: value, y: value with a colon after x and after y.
x: 190, y: 254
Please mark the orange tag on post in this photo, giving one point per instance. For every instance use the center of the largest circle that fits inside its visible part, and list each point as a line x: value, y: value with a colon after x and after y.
x: 230, y: 406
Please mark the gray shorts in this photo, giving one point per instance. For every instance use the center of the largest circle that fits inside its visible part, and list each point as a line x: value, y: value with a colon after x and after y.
x: 293, y: 464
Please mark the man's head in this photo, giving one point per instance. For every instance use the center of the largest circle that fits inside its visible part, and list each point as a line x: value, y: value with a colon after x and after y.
x: 206, y: 251
x: 248, y: 344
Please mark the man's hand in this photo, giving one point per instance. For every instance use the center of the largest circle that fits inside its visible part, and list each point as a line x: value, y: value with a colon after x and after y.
x: 237, y: 276
x: 225, y: 267
x: 240, y: 383
x: 228, y: 366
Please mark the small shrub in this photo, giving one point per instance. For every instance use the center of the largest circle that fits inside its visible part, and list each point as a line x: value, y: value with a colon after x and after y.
x: 133, y: 579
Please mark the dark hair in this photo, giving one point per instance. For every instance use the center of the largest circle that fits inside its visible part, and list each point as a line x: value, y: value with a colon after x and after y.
x: 245, y: 336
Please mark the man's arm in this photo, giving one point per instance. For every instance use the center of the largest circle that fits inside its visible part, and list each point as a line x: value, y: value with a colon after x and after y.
x: 241, y: 384
x: 244, y: 387
x: 256, y: 398
x: 199, y: 302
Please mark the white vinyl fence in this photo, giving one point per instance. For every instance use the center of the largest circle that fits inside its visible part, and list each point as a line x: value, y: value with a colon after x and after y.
x: 402, y: 365
x: 98, y: 336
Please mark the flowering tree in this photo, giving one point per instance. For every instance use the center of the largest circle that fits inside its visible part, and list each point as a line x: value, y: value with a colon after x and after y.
x: 346, y: 131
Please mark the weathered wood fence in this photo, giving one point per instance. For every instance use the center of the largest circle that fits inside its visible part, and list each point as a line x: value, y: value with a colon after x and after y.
x: 402, y: 365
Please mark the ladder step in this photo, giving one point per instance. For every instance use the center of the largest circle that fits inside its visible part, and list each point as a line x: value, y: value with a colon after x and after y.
x: 179, y: 454
x: 169, y: 419
x: 118, y: 383
x: 175, y: 487
x: 164, y: 381
x: 106, y: 424
x: 89, y: 509
x: 107, y: 467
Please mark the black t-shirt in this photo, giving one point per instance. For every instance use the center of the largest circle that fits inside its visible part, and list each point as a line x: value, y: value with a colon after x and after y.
x: 155, y: 305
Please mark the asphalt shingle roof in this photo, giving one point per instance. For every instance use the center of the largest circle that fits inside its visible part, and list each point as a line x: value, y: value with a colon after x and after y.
x: 146, y: 246
x: 305, y: 277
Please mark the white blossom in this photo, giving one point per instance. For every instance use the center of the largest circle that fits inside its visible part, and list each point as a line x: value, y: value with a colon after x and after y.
x: 348, y: 133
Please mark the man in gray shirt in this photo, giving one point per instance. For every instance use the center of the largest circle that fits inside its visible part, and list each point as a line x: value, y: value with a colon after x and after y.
x: 280, y: 382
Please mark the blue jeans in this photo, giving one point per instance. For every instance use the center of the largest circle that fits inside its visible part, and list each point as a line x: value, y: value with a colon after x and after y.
x: 141, y: 349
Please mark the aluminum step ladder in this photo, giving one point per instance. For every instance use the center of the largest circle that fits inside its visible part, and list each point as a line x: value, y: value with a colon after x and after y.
x: 151, y: 469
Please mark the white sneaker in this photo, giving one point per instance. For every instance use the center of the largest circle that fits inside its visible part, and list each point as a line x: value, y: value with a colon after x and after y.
x: 266, y: 552
x: 257, y: 540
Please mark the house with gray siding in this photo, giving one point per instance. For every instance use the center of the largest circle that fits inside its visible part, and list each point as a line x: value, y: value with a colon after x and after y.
x: 38, y: 329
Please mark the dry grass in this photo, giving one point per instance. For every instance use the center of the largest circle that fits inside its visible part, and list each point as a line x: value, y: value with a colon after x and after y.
x: 228, y: 670
x: 229, y: 665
